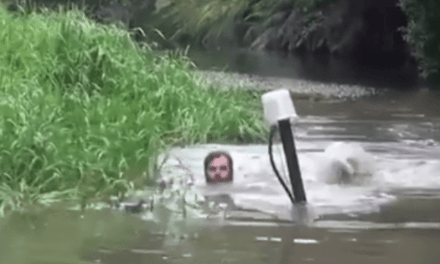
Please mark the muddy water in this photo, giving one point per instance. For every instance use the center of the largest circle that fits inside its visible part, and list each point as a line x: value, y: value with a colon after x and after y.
x: 393, y: 219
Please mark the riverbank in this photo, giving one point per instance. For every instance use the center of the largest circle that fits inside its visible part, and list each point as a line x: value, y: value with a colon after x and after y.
x: 300, y: 89
x: 86, y: 111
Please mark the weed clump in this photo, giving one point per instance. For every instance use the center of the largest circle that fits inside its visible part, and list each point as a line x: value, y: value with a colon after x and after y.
x: 85, y: 111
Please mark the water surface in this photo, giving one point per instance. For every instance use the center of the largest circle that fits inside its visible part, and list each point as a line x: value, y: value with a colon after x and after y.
x: 393, y: 219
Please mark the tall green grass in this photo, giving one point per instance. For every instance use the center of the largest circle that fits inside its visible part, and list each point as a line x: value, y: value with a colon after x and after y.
x: 202, y: 21
x: 85, y: 111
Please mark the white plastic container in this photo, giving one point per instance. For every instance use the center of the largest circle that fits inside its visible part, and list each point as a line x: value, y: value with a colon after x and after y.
x: 278, y: 105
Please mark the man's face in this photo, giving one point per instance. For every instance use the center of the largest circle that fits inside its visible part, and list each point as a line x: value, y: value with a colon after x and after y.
x: 219, y: 169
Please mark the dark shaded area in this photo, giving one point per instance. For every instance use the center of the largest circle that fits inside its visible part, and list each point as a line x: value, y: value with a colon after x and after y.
x: 422, y: 34
x: 367, y: 31
x: 380, y: 39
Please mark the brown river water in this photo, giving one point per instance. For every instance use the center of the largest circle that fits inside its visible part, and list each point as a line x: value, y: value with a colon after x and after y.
x: 395, y: 219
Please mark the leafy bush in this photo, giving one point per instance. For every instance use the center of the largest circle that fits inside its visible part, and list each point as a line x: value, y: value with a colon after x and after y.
x: 423, y: 34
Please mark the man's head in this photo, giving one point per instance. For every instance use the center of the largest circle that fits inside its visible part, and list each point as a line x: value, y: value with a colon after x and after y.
x: 218, y: 167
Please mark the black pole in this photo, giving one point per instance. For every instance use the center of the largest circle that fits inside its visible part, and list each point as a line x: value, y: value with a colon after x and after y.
x: 272, y: 131
x: 292, y: 160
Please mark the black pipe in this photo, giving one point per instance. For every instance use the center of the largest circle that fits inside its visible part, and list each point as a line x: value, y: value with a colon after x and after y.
x: 272, y: 133
x: 292, y: 160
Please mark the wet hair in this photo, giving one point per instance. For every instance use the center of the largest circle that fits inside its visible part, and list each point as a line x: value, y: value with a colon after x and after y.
x: 215, y: 155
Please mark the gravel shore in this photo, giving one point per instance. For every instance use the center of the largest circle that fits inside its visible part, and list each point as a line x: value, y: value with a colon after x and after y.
x: 300, y: 89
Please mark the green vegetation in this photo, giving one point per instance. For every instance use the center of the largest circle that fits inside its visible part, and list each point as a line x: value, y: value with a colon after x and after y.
x: 215, y: 21
x: 423, y: 34
x: 85, y: 111
x: 196, y: 21
x: 256, y: 23
x: 273, y: 24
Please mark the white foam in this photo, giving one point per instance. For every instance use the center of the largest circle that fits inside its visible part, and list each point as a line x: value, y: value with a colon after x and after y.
x: 255, y: 185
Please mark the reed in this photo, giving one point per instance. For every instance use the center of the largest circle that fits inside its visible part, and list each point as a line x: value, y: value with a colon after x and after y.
x: 85, y: 111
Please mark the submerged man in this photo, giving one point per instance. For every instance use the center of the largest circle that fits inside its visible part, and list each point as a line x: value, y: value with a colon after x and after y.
x: 218, y: 167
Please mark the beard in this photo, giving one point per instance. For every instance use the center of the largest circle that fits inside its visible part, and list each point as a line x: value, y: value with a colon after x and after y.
x: 218, y: 178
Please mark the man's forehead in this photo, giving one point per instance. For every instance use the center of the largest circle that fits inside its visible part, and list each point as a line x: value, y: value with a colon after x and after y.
x: 220, y: 159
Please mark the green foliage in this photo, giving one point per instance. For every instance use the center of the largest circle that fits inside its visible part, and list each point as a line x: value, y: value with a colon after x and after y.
x: 199, y: 18
x: 423, y: 34
x: 86, y: 111
x: 264, y: 9
x: 312, y: 5
x: 204, y: 21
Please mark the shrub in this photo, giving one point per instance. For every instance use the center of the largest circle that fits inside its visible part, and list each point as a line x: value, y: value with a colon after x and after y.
x: 423, y: 34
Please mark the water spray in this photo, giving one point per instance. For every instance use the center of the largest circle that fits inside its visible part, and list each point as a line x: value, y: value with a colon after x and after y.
x: 278, y: 113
